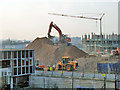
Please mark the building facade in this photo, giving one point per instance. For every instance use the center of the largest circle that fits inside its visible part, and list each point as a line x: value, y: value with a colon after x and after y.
x: 16, y: 66
x: 100, y: 43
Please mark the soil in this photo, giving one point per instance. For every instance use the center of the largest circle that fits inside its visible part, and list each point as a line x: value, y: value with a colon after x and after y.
x: 48, y: 53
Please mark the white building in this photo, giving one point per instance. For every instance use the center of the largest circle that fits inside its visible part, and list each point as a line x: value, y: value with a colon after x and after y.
x: 16, y: 66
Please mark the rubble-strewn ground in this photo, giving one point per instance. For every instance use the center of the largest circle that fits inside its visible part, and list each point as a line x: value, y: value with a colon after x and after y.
x: 89, y: 64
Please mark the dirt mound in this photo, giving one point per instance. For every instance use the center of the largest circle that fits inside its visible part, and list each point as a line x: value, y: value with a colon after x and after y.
x: 48, y: 53
x: 71, y: 51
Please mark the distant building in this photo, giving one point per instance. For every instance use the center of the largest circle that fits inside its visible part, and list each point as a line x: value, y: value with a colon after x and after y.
x: 16, y: 66
x: 76, y: 41
x: 101, y: 43
x: 13, y: 44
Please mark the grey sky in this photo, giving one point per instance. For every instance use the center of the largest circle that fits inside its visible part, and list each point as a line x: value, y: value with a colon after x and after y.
x: 28, y: 19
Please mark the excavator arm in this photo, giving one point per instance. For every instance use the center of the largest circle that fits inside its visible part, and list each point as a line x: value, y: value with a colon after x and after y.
x: 57, y: 28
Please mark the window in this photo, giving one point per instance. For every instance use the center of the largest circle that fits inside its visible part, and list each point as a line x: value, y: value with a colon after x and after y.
x: 30, y: 53
x: 5, y: 55
x: 19, y: 54
x: 23, y: 54
x: 30, y: 61
x: 19, y: 62
x: 19, y: 70
x: 30, y: 69
x: 9, y: 54
x: 26, y: 54
x: 23, y: 62
x: 5, y: 63
x: 15, y: 62
x: 23, y: 70
x: 26, y: 69
x: 15, y: 71
x: 5, y: 73
x: 15, y: 54
x: 27, y: 61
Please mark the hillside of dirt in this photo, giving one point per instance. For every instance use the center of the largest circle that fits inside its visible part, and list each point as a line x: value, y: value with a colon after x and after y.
x: 48, y: 53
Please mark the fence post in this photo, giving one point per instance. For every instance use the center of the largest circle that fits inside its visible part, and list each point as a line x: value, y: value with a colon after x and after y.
x: 105, y: 83
x: 72, y: 73
x: 44, y: 83
x: 72, y: 83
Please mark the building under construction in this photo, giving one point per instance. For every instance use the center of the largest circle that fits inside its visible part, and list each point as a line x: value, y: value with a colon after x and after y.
x: 100, y: 43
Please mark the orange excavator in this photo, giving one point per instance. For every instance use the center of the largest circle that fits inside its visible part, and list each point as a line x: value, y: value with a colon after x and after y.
x: 62, y: 38
x: 117, y: 52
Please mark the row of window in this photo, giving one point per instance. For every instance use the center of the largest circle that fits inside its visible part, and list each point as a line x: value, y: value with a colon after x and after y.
x: 21, y: 62
x: 24, y: 70
x: 103, y: 42
x: 17, y: 54
x: 27, y: 61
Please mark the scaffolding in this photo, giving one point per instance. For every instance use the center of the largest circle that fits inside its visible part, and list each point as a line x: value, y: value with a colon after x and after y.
x: 101, y: 43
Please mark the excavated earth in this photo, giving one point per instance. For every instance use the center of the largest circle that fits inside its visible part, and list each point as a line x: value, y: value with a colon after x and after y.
x: 48, y: 53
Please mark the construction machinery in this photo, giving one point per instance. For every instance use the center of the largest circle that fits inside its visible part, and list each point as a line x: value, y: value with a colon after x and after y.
x: 62, y: 38
x: 66, y: 64
x: 117, y: 52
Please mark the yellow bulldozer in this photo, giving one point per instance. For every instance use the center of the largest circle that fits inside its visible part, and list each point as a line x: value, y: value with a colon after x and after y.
x: 66, y: 64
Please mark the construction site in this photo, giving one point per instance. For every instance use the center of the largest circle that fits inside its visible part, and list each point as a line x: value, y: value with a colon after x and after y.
x: 50, y: 53
x: 66, y: 60
x: 62, y: 60
x: 100, y: 55
x: 55, y: 62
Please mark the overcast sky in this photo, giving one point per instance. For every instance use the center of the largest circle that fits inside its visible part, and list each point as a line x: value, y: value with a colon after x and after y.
x: 28, y: 19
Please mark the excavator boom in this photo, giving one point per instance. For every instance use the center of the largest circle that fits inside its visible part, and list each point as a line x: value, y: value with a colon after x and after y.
x: 57, y: 28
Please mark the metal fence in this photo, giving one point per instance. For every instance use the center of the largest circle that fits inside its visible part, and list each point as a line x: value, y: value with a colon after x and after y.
x: 53, y: 79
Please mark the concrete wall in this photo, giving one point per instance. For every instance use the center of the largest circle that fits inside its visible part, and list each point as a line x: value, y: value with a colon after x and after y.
x: 53, y: 82
x: 0, y: 78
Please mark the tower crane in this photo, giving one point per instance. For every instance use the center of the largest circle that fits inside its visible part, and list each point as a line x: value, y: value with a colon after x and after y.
x: 100, y: 19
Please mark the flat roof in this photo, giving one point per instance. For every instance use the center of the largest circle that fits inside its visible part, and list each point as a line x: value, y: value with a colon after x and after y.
x: 14, y: 49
